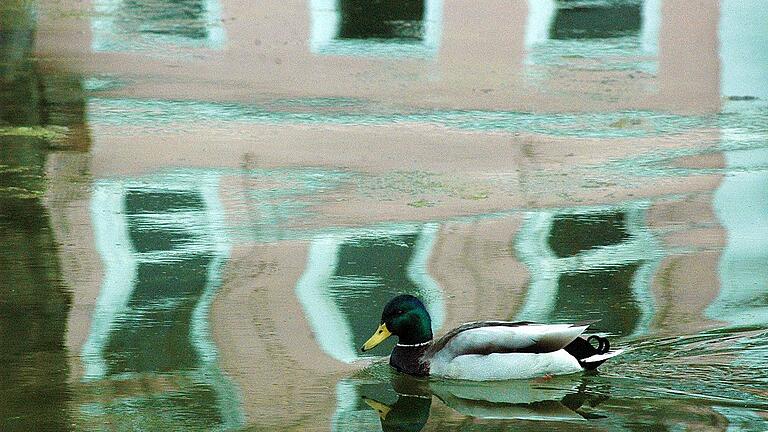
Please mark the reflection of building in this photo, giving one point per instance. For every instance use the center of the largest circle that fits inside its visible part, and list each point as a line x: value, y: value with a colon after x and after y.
x: 163, y: 246
x: 267, y: 337
x: 426, y: 53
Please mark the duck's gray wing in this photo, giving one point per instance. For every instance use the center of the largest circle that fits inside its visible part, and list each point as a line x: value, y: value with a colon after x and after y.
x: 487, y: 337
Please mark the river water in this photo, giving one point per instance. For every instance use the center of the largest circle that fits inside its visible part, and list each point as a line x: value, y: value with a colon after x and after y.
x: 205, y: 205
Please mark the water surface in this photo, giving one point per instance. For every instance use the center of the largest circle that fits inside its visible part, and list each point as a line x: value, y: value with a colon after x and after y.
x: 177, y: 262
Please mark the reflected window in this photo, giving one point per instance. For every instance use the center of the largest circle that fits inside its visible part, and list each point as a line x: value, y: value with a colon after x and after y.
x: 577, y: 20
x: 619, y: 34
x: 183, y: 18
x: 370, y: 270
x: 150, y: 25
x: 571, y: 234
x: 590, y: 264
x: 164, y: 294
x: 386, y: 19
x: 163, y: 246
x: 385, y: 28
x: 351, y: 276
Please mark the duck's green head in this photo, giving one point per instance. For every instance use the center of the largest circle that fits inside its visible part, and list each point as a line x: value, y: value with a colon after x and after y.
x: 405, y: 317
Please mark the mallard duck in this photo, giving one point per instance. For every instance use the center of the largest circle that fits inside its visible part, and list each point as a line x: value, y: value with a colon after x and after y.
x: 485, y: 350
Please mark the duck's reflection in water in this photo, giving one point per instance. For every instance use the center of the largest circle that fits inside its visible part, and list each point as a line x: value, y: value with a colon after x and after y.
x: 408, y: 413
x: 405, y: 403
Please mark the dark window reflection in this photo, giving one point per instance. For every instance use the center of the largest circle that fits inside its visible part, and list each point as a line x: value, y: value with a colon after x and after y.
x: 185, y: 18
x: 369, y: 273
x: 577, y: 20
x: 604, y: 294
x: 154, y: 334
x: 156, y: 238
x: 381, y: 19
x: 571, y: 234
x: 594, y: 266
x: 163, y: 299
x: 155, y: 202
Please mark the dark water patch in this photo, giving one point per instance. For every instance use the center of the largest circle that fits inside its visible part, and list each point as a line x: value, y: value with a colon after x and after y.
x: 34, y: 306
x: 138, y: 202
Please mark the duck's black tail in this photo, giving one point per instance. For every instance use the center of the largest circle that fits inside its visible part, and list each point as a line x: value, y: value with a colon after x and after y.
x: 589, y: 355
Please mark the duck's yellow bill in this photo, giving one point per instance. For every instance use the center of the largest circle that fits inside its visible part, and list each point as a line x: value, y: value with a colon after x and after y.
x: 380, y: 408
x: 381, y: 334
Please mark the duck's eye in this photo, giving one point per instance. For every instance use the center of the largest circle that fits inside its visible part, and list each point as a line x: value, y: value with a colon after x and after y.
x: 399, y: 312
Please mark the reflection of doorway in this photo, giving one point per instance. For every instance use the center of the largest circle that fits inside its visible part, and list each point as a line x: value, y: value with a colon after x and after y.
x: 387, y: 28
x: 611, y: 31
x: 139, y: 25
x: 163, y: 244
x: 350, y: 276
x: 590, y: 264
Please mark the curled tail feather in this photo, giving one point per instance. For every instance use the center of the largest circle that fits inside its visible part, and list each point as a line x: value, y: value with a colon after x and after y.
x: 588, y: 355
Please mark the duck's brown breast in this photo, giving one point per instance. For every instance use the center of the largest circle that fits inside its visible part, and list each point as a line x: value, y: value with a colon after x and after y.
x: 408, y: 359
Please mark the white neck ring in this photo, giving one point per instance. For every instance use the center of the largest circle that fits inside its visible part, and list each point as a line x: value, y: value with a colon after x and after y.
x: 414, y: 345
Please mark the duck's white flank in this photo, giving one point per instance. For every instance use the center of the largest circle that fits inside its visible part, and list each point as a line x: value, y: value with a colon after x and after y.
x: 496, y: 367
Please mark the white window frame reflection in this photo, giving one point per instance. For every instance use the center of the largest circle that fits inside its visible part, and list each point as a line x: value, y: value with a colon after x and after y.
x: 325, y: 19
x: 121, y: 261
x: 532, y: 246
x: 330, y: 328
x: 106, y: 36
